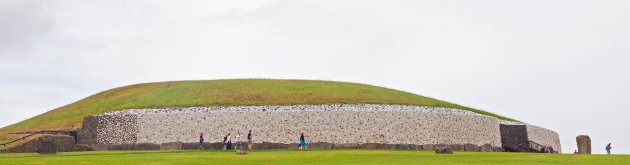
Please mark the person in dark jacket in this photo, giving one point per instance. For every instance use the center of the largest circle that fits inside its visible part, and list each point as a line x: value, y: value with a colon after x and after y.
x: 201, y: 142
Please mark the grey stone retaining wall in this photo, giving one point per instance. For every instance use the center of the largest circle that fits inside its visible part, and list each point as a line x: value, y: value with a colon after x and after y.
x: 60, y: 143
x: 340, y: 124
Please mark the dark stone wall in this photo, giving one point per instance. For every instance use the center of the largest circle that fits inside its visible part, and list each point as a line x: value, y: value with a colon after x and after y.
x: 515, y: 133
x: 87, y: 133
x: 46, y: 142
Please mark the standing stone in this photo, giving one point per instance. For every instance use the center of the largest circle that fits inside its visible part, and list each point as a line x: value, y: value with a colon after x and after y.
x: 584, y: 144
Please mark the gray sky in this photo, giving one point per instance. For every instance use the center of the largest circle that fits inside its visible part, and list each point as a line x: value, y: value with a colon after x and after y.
x: 562, y: 65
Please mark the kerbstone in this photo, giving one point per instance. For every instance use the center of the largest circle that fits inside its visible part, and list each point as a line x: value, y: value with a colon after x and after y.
x: 171, y: 146
x: 471, y: 147
x: 485, y: 148
x: 444, y: 150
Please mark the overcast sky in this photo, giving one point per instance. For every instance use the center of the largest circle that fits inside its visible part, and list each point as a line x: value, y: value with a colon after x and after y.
x: 562, y: 65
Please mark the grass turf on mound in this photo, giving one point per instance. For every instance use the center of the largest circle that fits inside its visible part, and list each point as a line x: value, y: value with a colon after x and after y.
x: 222, y: 93
x: 310, y: 157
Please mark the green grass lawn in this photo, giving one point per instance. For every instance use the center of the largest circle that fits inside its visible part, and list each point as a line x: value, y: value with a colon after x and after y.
x: 235, y: 92
x: 309, y: 157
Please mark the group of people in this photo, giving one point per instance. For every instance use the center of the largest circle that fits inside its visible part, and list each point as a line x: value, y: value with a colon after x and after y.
x: 227, y: 142
x: 548, y: 149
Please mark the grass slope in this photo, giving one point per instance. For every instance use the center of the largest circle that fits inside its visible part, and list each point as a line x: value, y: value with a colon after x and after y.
x: 311, y: 157
x: 222, y: 93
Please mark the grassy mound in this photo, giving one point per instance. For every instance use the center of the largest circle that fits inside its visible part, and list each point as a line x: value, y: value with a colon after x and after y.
x: 222, y: 93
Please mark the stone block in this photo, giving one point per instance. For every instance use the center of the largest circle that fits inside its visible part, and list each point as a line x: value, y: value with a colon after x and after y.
x: 428, y: 147
x: 219, y: 146
x: 485, y: 148
x: 47, y: 147
x: 444, y: 150
x: 146, y: 146
x: 418, y: 147
x: 346, y: 146
x: 99, y: 147
x: 291, y: 146
x: 441, y: 145
x: 264, y: 146
x: 400, y: 147
x: 376, y: 146
x: 457, y: 147
x: 171, y: 146
x: 471, y: 147
x: 319, y: 146
x: 190, y: 146
x: 498, y: 149
x: 121, y: 147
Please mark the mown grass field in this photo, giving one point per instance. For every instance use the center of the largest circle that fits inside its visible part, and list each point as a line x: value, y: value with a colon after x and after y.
x: 310, y: 157
x: 235, y: 92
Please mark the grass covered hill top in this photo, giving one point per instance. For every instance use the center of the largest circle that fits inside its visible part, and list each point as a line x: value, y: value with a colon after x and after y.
x: 235, y: 92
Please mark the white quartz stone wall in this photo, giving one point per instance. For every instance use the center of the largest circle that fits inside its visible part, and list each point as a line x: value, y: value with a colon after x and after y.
x: 389, y: 124
x: 544, y: 137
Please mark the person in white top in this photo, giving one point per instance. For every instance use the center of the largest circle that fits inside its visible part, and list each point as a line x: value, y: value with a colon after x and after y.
x: 239, y: 145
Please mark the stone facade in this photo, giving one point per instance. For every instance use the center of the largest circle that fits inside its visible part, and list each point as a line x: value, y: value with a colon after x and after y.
x: 539, y: 135
x: 339, y: 124
x: 109, y: 129
x: 544, y: 137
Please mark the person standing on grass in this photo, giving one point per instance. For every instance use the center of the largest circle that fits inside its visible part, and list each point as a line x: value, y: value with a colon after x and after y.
x: 608, y: 147
x: 239, y: 143
x: 229, y: 142
x: 302, y: 142
x: 250, y: 143
x: 201, y: 142
x: 225, y: 142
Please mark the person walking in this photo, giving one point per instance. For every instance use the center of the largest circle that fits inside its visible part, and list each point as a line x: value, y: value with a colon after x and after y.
x: 608, y: 147
x: 201, y: 142
x: 302, y: 142
x: 225, y: 142
x: 229, y: 142
x: 250, y: 143
x: 239, y: 143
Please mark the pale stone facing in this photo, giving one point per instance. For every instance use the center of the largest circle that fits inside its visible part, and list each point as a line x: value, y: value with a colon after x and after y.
x: 544, y: 137
x: 336, y: 123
